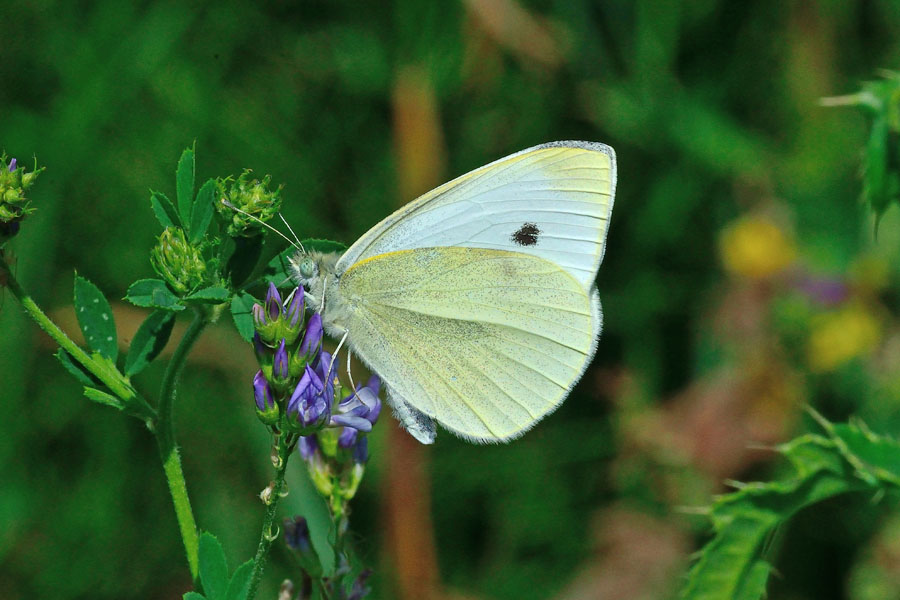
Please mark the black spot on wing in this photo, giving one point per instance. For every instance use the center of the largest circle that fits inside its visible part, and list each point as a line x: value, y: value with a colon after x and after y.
x: 526, y: 235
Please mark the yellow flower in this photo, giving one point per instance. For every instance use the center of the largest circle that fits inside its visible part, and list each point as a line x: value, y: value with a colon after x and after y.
x: 840, y: 336
x: 755, y: 247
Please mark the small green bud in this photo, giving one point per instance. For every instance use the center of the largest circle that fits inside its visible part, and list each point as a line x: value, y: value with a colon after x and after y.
x: 14, y: 205
x: 178, y: 262
x: 251, y: 196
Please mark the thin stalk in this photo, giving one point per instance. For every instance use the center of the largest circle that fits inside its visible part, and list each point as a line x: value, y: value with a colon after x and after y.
x: 168, y: 449
x: 285, y: 445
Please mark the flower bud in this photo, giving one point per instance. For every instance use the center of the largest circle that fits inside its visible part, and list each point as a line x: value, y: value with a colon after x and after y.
x: 280, y: 372
x: 266, y: 407
x: 178, y: 262
x: 252, y: 197
x: 14, y: 205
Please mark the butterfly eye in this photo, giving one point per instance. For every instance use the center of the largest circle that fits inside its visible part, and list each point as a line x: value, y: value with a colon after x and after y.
x: 307, y: 268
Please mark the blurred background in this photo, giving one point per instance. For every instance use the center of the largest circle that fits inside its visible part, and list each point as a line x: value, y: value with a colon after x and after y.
x: 742, y: 279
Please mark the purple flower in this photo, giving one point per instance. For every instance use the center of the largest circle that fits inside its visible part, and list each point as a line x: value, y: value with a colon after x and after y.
x: 312, y: 339
x: 296, y: 534
x: 259, y: 316
x: 262, y: 392
x: 273, y: 302
x: 262, y: 351
x: 280, y: 367
x: 358, y: 413
x: 295, y: 308
x: 309, y: 404
x: 308, y: 446
x: 361, y: 450
x: 12, y: 165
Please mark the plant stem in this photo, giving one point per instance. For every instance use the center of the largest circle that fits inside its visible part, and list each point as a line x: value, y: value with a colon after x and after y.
x: 168, y: 449
x: 134, y: 403
x: 285, y: 445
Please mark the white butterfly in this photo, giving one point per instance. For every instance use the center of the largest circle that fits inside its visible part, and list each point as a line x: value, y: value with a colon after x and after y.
x: 476, y: 303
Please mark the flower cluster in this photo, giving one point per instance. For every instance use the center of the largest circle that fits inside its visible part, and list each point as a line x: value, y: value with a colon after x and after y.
x: 253, y: 199
x: 297, y: 392
x: 336, y: 456
x: 14, y: 205
x: 295, y: 386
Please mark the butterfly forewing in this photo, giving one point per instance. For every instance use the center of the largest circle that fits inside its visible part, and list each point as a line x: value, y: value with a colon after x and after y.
x: 552, y: 201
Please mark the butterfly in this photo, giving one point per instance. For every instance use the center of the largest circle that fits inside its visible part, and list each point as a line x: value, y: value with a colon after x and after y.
x: 475, y: 303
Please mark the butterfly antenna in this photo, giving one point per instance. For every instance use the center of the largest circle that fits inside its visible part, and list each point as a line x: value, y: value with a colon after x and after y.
x: 288, y: 225
x: 263, y: 223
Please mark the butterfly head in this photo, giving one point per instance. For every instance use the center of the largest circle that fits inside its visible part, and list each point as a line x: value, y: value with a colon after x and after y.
x: 315, y: 271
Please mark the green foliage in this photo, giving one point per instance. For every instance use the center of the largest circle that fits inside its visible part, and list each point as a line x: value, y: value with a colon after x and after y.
x: 149, y: 341
x: 217, y: 583
x: 95, y: 317
x: 850, y: 458
x: 184, y: 180
x: 153, y: 293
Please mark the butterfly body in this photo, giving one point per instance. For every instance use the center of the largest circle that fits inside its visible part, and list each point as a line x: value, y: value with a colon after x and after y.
x: 476, y: 303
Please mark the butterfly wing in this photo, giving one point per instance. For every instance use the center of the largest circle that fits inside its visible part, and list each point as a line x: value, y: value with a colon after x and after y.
x: 484, y: 341
x: 552, y: 201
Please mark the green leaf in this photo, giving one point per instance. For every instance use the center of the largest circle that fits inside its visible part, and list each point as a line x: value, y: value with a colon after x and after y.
x: 202, y: 211
x: 76, y: 369
x: 149, y: 341
x: 244, y: 258
x: 102, y: 397
x: 850, y: 459
x: 184, y: 185
x: 193, y: 596
x: 164, y: 210
x: 95, y: 318
x: 153, y: 293
x: 278, y: 270
x: 213, y: 568
x: 323, y: 246
x: 241, y: 312
x: 213, y: 294
x: 240, y: 582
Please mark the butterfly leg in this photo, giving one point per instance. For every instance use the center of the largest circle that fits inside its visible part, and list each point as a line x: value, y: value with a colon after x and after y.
x: 349, y: 374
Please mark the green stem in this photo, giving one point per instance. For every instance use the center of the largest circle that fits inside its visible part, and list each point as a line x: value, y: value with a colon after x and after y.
x: 134, y: 403
x: 168, y: 449
x: 285, y: 445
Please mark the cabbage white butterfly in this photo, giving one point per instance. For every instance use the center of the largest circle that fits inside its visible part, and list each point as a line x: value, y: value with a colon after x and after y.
x: 475, y: 303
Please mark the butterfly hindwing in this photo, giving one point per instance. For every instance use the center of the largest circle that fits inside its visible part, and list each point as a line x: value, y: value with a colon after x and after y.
x: 486, y: 342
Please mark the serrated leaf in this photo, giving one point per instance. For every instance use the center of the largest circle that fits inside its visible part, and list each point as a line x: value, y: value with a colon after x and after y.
x: 184, y: 185
x: 148, y: 342
x: 240, y: 582
x: 214, y: 294
x: 102, y: 397
x: 202, y: 211
x: 153, y: 293
x: 242, y: 313
x: 164, y: 210
x: 193, y: 596
x: 75, y: 369
x: 851, y: 459
x: 213, y: 567
x: 95, y: 318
